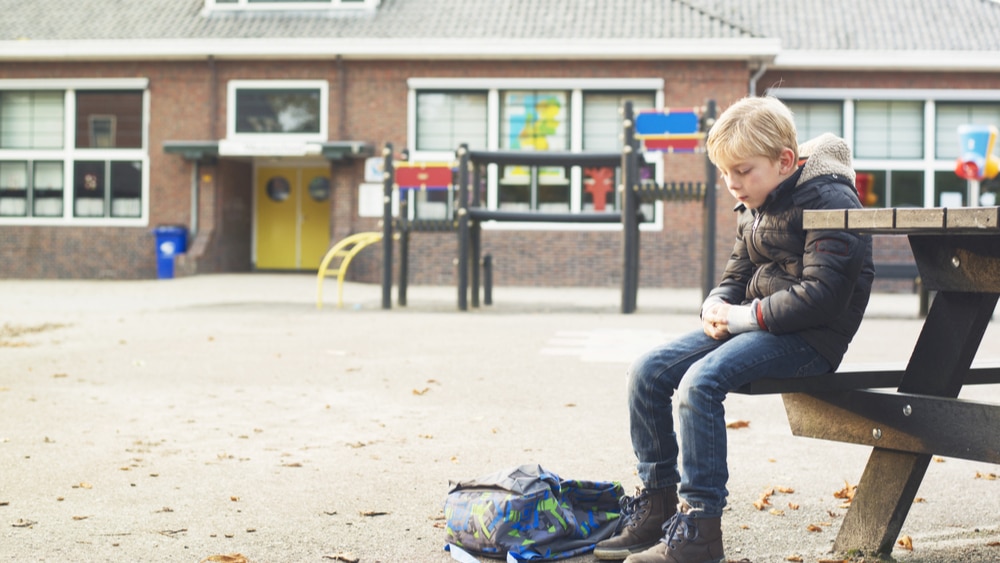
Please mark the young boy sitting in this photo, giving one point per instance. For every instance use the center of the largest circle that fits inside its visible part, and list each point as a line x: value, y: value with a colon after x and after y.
x: 788, y: 305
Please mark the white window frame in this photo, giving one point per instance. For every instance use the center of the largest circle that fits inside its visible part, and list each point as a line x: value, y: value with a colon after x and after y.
x: 929, y: 164
x: 494, y: 87
x: 70, y: 154
x: 245, y: 5
x: 324, y: 109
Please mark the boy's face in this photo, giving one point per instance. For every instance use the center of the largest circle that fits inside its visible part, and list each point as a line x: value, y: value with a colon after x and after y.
x: 751, y: 179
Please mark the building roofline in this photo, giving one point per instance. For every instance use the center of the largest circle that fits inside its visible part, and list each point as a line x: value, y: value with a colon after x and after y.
x: 372, y: 48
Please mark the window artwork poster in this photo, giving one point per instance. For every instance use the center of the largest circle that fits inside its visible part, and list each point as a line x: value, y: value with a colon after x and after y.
x: 536, y: 120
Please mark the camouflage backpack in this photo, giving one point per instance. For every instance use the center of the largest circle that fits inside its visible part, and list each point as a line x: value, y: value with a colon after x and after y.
x: 530, y: 514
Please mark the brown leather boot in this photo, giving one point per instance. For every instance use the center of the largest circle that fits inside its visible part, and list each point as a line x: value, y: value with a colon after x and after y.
x: 687, y: 540
x: 643, y: 516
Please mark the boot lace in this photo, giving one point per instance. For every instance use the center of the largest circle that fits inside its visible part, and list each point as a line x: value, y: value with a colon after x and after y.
x: 631, y: 507
x: 681, y: 527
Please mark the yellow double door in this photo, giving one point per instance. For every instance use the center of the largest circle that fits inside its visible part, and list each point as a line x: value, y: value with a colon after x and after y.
x: 292, y: 217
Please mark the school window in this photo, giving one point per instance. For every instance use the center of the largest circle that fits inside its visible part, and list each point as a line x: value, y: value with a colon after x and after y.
x: 278, y: 109
x: 446, y: 120
x: 949, y: 116
x: 489, y: 114
x: 889, y: 129
x: 70, y: 154
x: 535, y: 120
x: 602, y: 132
x: 812, y: 119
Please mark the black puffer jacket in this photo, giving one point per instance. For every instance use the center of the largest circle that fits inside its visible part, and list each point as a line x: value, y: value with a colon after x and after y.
x: 816, y: 283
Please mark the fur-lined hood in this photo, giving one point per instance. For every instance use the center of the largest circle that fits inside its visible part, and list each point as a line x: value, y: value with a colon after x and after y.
x: 826, y: 154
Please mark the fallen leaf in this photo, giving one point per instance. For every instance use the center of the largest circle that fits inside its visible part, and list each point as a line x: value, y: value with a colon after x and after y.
x: 570, y: 405
x: 738, y: 424
x: 795, y: 558
x: 371, y: 513
x: 345, y: 557
x: 23, y: 523
x: 234, y: 499
x: 80, y: 517
x: 777, y: 512
x: 83, y: 486
x: 421, y: 391
x: 919, y: 499
x: 793, y: 506
x: 905, y: 542
x: 813, y: 528
x: 987, y: 476
x: 785, y: 490
x: 938, y: 459
x: 993, y: 544
x: 231, y: 558
x: 847, y: 493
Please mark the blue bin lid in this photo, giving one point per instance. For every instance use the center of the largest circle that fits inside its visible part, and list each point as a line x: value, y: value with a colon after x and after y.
x: 169, y: 229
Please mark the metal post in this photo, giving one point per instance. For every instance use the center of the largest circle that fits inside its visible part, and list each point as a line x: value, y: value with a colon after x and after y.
x: 630, y: 225
x: 387, y: 183
x: 475, y: 240
x: 708, y: 238
x: 463, y: 227
x: 488, y: 279
x: 404, y: 252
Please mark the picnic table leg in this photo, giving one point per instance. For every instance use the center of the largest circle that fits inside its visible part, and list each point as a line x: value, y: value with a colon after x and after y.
x: 955, y: 323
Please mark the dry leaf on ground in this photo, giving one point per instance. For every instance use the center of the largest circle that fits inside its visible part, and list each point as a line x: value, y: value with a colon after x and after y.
x: 230, y: 558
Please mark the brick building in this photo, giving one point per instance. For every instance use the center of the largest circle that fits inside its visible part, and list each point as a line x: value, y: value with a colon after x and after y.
x: 252, y: 123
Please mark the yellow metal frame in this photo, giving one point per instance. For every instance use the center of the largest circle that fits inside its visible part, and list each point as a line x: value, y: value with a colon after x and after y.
x: 346, y: 249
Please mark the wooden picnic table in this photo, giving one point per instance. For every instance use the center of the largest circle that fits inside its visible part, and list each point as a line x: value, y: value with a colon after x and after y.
x: 957, y: 252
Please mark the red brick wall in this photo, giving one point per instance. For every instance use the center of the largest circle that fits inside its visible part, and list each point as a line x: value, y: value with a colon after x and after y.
x: 368, y: 102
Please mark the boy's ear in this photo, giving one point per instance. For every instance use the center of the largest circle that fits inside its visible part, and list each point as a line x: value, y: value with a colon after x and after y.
x: 786, y: 161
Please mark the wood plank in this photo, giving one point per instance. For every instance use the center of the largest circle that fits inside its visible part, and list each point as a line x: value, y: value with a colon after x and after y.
x: 930, y: 218
x: 889, y: 483
x: 871, y: 218
x: 824, y: 219
x: 959, y: 262
x: 905, y: 422
x: 985, y: 218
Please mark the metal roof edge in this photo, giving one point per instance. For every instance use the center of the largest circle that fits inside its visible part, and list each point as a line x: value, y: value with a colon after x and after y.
x: 922, y: 60
x: 407, y: 48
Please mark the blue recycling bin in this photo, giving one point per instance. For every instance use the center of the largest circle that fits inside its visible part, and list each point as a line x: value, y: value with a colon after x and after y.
x: 170, y: 241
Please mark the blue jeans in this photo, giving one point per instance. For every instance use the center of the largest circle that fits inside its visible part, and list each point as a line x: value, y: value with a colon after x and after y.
x: 702, y: 371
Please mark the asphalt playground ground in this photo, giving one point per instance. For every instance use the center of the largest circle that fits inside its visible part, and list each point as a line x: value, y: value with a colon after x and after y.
x: 187, y: 419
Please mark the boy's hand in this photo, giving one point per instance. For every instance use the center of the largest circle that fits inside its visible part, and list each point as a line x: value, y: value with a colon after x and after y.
x: 714, y: 321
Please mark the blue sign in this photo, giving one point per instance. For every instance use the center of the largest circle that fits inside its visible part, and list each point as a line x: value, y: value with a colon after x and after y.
x: 666, y: 122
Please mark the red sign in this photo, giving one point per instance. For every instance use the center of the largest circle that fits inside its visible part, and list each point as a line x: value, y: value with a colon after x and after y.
x: 680, y: 144
x: 423, y: 176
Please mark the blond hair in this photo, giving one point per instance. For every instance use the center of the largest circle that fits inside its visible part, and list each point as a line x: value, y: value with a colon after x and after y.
x: 751, y: 127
